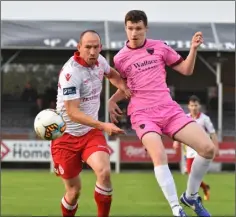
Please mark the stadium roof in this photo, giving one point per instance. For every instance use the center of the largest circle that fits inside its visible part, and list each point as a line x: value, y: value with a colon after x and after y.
x: 61, y: 35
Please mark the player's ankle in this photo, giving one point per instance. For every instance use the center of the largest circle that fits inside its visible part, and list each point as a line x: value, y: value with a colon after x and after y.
x: 191, y: 196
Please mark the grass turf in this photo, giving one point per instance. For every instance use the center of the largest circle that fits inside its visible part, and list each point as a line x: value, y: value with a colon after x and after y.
x: 135, y: 194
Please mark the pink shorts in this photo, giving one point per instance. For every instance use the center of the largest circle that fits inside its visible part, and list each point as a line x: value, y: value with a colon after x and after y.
x: 165, y: 119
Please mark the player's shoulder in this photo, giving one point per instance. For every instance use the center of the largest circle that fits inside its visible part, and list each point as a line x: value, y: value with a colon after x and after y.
x: 188, y: 115
x: 204, y: 116
x: 71, y: 67
x: 122, y: 53
x: 101, y: 58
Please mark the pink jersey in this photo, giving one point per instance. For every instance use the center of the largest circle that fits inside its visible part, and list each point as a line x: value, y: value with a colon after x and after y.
x: 144, y: 69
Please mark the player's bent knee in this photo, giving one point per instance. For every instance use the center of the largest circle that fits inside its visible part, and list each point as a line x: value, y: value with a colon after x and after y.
x: 208, y: 151
x: 103, y: 175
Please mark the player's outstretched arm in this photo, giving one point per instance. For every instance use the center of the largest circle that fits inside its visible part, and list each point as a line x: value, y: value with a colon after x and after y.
x: 186, y: 67
x: 115, y: 78
x: 80, y: 117
x: 118, y: 96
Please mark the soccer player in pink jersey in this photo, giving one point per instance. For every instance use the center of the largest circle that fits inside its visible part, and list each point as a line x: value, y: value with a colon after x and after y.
x: 152, y: 111
x: 194, y: 107
x: 78, y: 100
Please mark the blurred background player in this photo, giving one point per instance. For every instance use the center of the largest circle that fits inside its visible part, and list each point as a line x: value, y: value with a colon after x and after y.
x: 142, y: 63
x: 194, y: 106
x: 78, y: 99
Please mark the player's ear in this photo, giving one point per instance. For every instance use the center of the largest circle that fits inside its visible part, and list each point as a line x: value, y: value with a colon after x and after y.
x: 100, y: 48
x: 78, y: 46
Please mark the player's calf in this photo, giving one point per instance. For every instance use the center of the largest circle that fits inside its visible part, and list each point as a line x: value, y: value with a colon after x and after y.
x: 153, y: 143
x: 99, y: 161
x: 103, y: 191
x: 69, y: 202
x: 72, y: 195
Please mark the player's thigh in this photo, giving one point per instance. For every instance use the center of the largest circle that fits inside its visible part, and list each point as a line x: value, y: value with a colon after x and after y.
x: 153, y: 143
x: 99, y: 161
x: 175, y: 118
x: 66, y: 158
x: 194, y: 136
x: 97, y: 154
x: 67, y: 163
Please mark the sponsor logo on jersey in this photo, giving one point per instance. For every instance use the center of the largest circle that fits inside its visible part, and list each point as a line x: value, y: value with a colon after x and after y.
x: 69, y: 91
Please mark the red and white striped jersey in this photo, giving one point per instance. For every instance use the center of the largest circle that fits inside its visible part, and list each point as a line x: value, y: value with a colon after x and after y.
x: 79, y: 81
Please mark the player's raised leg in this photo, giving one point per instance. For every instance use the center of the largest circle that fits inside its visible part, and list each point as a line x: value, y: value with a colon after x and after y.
x: 194, y: 136
x: 153, y: 143
x: 99, y: 161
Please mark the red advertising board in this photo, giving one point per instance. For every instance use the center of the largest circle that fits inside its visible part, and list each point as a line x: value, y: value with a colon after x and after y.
x: 134, y: 152
x: 226, y: 153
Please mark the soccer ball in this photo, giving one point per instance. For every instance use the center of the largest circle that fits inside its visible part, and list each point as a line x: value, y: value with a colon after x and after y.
x: 49, y: 124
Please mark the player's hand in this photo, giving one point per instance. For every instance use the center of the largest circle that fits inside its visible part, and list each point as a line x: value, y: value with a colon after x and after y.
x: 124, y: 88
x: 127, y: 93
x: 111, y: 128
x: 197, y: 40
x: 114, y: 111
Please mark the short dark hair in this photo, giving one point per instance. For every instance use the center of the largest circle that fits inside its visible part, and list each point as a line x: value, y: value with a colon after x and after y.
x: 135, y: 16
x: 86, y: 31
x: 194, y: 98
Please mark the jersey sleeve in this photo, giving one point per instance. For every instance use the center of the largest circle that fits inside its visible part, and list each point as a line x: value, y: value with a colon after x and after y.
x: 118, y: 67
x: 171, y: 57
x: 209, y: 125
x: 107, y: 67
x: 70, y: 84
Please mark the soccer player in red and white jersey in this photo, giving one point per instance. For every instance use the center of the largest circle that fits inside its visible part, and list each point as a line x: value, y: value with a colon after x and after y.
x: 78, y: 100
x: 194, y: 106
x: 153, y: 112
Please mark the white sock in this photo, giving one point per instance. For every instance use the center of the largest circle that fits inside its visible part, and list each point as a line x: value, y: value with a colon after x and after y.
x: 199, y: 168
x: 167, y: 184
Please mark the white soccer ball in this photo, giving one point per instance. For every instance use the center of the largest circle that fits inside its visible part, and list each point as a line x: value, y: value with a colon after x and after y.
x: 49, y: 124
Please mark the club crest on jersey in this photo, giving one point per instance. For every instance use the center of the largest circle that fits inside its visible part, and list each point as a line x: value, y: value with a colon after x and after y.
x: 68, y: 76
x: 150, y: 50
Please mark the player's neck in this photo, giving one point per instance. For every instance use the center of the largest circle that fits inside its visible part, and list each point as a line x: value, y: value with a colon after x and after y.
x: 136, y: 45
x: 195, y: 116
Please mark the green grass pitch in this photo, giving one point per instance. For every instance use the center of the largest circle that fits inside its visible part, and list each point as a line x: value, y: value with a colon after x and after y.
x: 38, y: 193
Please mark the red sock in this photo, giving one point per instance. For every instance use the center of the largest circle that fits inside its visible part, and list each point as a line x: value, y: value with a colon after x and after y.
x: 103, y: 198
x: 68, y: 209
x: 203, y: 185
